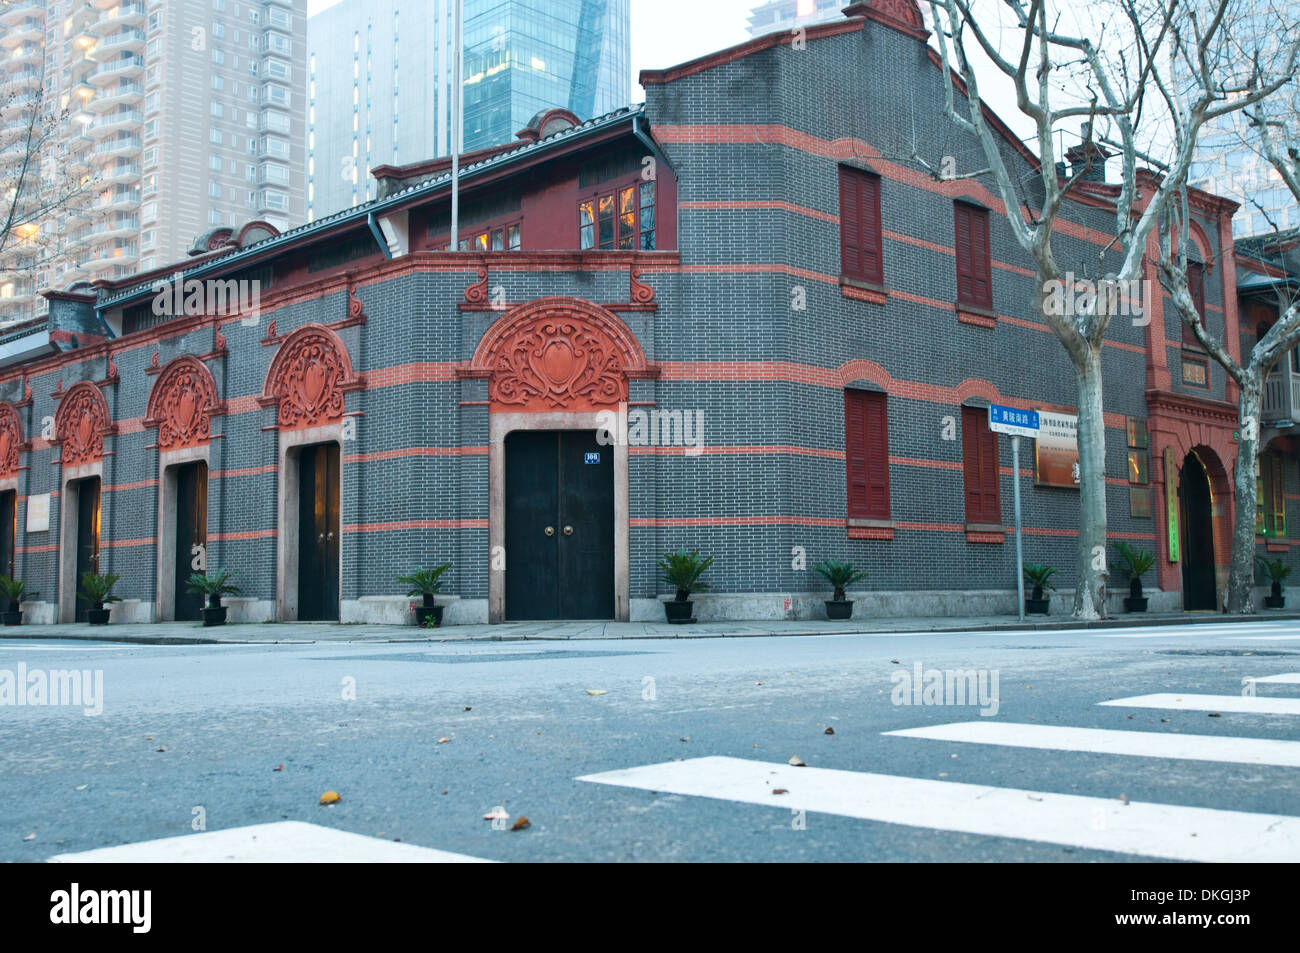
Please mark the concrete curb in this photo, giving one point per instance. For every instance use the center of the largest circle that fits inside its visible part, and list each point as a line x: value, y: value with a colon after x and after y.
x: 547, y: 631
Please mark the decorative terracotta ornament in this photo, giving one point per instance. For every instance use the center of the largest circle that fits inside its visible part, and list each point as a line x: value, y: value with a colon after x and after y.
x: 154, y: 361
x: 355, y: 311
x: 641, y: 292
x: 218, y: 341
x: 477, y: 293
x: 80, y: 423
x: 181, y: 403
x: 559, y: 354
x: 308, y: 377
x: 11, y: 438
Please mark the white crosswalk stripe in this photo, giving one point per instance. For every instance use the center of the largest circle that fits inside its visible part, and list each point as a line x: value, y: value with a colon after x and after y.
x: 281, y: 842
x: 1147, y: 744
x: 1287, y: 678
x: 1246, y: 704
x: 1106, y: 824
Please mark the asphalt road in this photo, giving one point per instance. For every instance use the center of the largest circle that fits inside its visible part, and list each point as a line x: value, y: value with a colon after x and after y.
x: 198, y: 732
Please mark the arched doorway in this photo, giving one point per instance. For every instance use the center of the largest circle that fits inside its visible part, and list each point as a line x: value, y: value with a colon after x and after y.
x: 1196, y: 515
x: 558, y: 372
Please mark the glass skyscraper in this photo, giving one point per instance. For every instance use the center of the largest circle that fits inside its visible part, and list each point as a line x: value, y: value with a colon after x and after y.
x: 378, y: 71
x: 523, y: 56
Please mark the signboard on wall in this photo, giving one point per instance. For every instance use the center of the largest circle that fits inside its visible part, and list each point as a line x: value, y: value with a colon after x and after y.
x: 1056, y: 453
x: 1171, y: 504
x: 38, y: 513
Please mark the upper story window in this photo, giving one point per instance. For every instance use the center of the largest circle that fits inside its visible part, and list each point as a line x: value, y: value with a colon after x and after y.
x: 974, y: 260
x: 621, y: 219
x: 498, y: 238
x: 860, y: 231
x: 1196, y: 285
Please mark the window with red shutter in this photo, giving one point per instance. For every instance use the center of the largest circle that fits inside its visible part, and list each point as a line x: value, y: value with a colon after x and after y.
x: 866, y: 454
x: 861, y: 255
x: 974, y: 258
x: 1196, y: 285
x: 980, y: 463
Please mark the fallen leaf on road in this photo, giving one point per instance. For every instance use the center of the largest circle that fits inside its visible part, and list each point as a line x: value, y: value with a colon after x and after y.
x: 1032, y: 798
x: 82, y: 787
x: 829, y: 730
x: 688, y: 738
x: 780, y: 791
x: 758, y: 683
x: 162, y: 748
x: 444, y: 792
x: 1123, y: 799
x: 498, y: 814
x: 1215, y: 714
x: 330, y: 797
x: 595, y: 691
x: 521, y: 824
x: 30, y: 837
x: 467, y: 708
x: 797, y: 763
x: 894, y: 661
x: 443, y: 741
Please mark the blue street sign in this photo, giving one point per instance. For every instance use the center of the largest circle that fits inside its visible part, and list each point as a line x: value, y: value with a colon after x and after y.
x: 1012, y: 420
x: 590, y: 458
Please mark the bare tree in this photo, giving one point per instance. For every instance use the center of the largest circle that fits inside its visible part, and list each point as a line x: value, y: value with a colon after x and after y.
x: 39, y: 179
x: 1278, y: 139
x: 1105, y: 84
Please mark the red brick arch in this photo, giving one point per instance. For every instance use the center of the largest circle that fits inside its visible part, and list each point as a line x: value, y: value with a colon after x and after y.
x: 558, y: 354
x: 80, y: 424
x: 308, y: 378
x: 11, y: 440
x: 182, y: 403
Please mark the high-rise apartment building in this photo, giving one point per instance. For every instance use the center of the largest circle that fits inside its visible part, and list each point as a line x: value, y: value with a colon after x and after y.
x: 787, y: 14
x: 378, y: 72
x: 1227, y: 163
x: 175, y: 116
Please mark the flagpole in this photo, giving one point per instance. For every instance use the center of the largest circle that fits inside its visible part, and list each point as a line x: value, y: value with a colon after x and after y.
x: 457, y: 116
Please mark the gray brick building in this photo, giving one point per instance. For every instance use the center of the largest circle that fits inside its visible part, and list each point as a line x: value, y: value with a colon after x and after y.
x: 796, y: 335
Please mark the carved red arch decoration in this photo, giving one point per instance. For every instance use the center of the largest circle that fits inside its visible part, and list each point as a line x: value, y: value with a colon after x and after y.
x: 182, y: 403
x: 11, y: 439
x: 80, y: 424
x: 558, y: 354
x: 308, y: 378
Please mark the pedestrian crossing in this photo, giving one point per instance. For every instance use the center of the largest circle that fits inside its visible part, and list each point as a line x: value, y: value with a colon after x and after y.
x: 1116, y: 825
x: 280, y: 842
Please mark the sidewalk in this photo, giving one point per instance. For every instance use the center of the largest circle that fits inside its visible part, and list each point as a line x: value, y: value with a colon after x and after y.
x: 193, y: 633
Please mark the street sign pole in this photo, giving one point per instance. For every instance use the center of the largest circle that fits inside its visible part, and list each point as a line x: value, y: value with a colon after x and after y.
x: 1016, y: 423
x: 1020, y: 552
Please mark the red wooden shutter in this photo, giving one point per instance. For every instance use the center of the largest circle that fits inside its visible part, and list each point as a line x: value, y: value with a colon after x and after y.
x: 965, y: 276
x: 860, y: 228
x: 866, y: 453
x: 850, y: 229
x: 1196, y: 285
x: 980, y: 463
x: 974, y: 259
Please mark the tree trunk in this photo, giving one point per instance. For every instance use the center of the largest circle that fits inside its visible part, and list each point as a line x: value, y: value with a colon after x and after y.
x: 1241, y: 574
x: 1090, y: 588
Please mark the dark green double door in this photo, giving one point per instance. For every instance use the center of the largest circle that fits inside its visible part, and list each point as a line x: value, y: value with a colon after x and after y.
x: 559, y: 513
x: 191, y: 537
x: 318, y: 533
